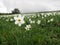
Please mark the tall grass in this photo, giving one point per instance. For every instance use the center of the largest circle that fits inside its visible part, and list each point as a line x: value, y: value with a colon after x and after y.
x: 45, y: 33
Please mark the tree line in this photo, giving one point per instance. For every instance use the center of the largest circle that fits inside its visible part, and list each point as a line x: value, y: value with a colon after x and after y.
x: 15, y: 11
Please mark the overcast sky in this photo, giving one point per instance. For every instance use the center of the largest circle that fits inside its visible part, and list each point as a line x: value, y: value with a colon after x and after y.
x: 32, y: 5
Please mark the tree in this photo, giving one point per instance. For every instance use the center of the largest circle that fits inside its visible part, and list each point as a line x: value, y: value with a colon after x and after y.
x: 16, y: 11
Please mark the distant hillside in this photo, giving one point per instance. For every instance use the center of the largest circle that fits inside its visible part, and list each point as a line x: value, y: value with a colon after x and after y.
x: 43, y: 12
x: 31, y: 12
x: 5, y: 13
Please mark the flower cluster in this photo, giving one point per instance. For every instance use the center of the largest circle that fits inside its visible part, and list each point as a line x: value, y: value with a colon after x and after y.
x: 29, y: 20
x: 33, y: 19
x: 19, y: 20
x: 28, y: 27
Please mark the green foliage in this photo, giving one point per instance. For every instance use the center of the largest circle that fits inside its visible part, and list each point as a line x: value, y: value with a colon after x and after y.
x: 42, y: 34
x: 16, y: 11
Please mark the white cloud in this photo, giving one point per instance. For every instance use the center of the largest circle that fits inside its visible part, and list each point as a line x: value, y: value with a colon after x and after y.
x: 3, y: 9
x: 32, y: 5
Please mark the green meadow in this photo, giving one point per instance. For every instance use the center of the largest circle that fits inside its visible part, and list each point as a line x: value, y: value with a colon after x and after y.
x: 47, y: 32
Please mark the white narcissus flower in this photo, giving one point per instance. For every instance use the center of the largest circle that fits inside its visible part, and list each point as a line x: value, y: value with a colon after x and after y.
x: 45, y: 15
x: 7, y: 20
x: 19, y: 20
x: 42, y: 14
x: 11, y: 19
x: 54, y: 13
x: 39, y: 21
x: 48, y: 14
x: 29, y: 19
x: 28, y: 27
x: 48, y: 21
x: 32, y: 16
x: 32, y: 21
x: 42, y: 17
x: 51, y: 19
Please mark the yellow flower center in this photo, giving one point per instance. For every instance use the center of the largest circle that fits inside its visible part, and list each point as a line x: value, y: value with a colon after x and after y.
x: 19, y: 20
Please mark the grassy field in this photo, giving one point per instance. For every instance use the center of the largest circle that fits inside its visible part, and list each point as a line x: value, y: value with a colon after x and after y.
x: 44, y: 30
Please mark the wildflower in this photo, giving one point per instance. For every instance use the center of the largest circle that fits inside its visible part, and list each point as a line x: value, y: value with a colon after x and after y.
x: 42, y: 17
x: 42, y: 14
x: 32, y: 16
x: 11, y: 19
x: 45, y: 15
x: 29, y: 19
x: 7, y: 20
x: 48, y: 14
x: 19, y: 20
x: 28, y: 27
x: 48, y: 21
x: 51, y: 19
x: 32, y: 21
x: 39, y: 21
x: 54, y: 13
